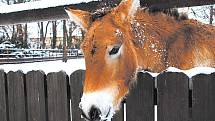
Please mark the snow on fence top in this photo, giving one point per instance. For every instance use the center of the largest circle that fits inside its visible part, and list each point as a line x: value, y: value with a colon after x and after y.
x: 190, y: 72
x: 48, y: 10
x: 39, y: 5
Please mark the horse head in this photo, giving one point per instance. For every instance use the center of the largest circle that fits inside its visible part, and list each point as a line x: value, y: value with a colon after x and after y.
x: 110, y: 58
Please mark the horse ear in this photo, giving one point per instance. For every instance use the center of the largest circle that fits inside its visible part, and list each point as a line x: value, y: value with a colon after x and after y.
x: 126, y: 10
x: 81, y: 18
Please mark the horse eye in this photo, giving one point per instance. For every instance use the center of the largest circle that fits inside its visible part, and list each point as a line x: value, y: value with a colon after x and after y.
x: 114, y: 50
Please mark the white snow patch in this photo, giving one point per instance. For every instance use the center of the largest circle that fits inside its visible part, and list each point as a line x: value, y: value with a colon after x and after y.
x: 138, y: 24
x: 50, y: 66
x: 190, y: 73
x: 152, y: 46
x: 135, y: 5
x: 151, y: 73
x: 194, y: 71
x: 118, y: 32
x: 101, y: 99
x: 39, y: 5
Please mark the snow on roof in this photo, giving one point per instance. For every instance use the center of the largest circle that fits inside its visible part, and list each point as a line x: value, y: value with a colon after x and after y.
x: 39, y: 5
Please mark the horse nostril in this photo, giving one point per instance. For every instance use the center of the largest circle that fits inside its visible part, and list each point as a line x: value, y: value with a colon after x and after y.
x: 94, y: 114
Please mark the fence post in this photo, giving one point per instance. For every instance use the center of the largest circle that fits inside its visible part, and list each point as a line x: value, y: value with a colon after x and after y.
x: 76, y: 87
x: 140, y: 101
x: 3, y: 110
x: 16, y: 96
x: 35, y: 96
x: 57, y: 97
x: 203, y: 97
x: 173, y: 94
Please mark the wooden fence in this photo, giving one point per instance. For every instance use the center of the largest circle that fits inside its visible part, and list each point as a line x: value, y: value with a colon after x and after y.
x: 36, y: 96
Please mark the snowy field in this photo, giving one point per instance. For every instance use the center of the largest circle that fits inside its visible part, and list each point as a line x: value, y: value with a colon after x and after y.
x: 50, y: 66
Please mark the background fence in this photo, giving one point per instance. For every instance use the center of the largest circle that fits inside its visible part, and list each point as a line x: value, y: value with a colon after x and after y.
x: 36, y: 96
x: 14, y: 56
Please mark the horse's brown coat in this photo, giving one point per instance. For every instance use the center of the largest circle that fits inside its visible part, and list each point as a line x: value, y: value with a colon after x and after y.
x: 150, y: 42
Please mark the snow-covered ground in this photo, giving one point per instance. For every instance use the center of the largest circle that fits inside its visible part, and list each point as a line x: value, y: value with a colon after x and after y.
x: 50, y: 66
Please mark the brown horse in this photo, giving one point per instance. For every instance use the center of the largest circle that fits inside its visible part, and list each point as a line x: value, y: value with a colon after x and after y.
x: 129, y: 39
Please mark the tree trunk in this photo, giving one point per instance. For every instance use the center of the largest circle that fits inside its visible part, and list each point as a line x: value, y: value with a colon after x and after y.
x: 8, y: 2
x: 6, y: 32
x: 42, y: 40
x: 211, y: 14
x: 25, y: 36
x: 64, y: 41
x: 54, y: 31
x: 70, y: 37
x: 19, y: 37
x: 14, y: 34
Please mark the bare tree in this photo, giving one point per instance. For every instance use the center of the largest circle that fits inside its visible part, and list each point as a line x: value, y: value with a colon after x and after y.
x: 5, y: 29
x: 54, y: 34
x: 42, y: 33
x: 211, y: 14
x: 64, y: 41
x: 19, y: 31
x: 72, y: 27
x: 204, y: 13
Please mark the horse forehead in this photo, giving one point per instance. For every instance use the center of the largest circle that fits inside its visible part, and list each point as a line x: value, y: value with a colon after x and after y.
x: 101, y: 34
x: 102, y: 37
x: 105, y: 30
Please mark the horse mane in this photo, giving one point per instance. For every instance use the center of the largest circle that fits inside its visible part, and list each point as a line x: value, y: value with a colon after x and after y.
x: 172, y: 12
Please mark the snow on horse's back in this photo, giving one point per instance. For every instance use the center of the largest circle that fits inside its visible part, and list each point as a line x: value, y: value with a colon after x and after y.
x: 129, y: 39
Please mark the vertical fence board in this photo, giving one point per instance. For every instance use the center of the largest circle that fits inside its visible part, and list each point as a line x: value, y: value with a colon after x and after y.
x: 57, y: 97
x: 76, y: 86
x: 3, y: 110
x: 203, y: 97
x: 140, y: 101
x: 16, y: 96
x: 173, y: 93
x: 35, y: 96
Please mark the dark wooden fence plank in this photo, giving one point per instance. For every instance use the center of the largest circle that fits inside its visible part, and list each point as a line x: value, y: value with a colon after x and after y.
x: 35, y: 96
x: 203, y: 97
x: 76, y: 86
x: 58, y: 107
x: 173, y: 94
x: 3, y: 110
x: 140, y: 101
x: 16, y: 96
